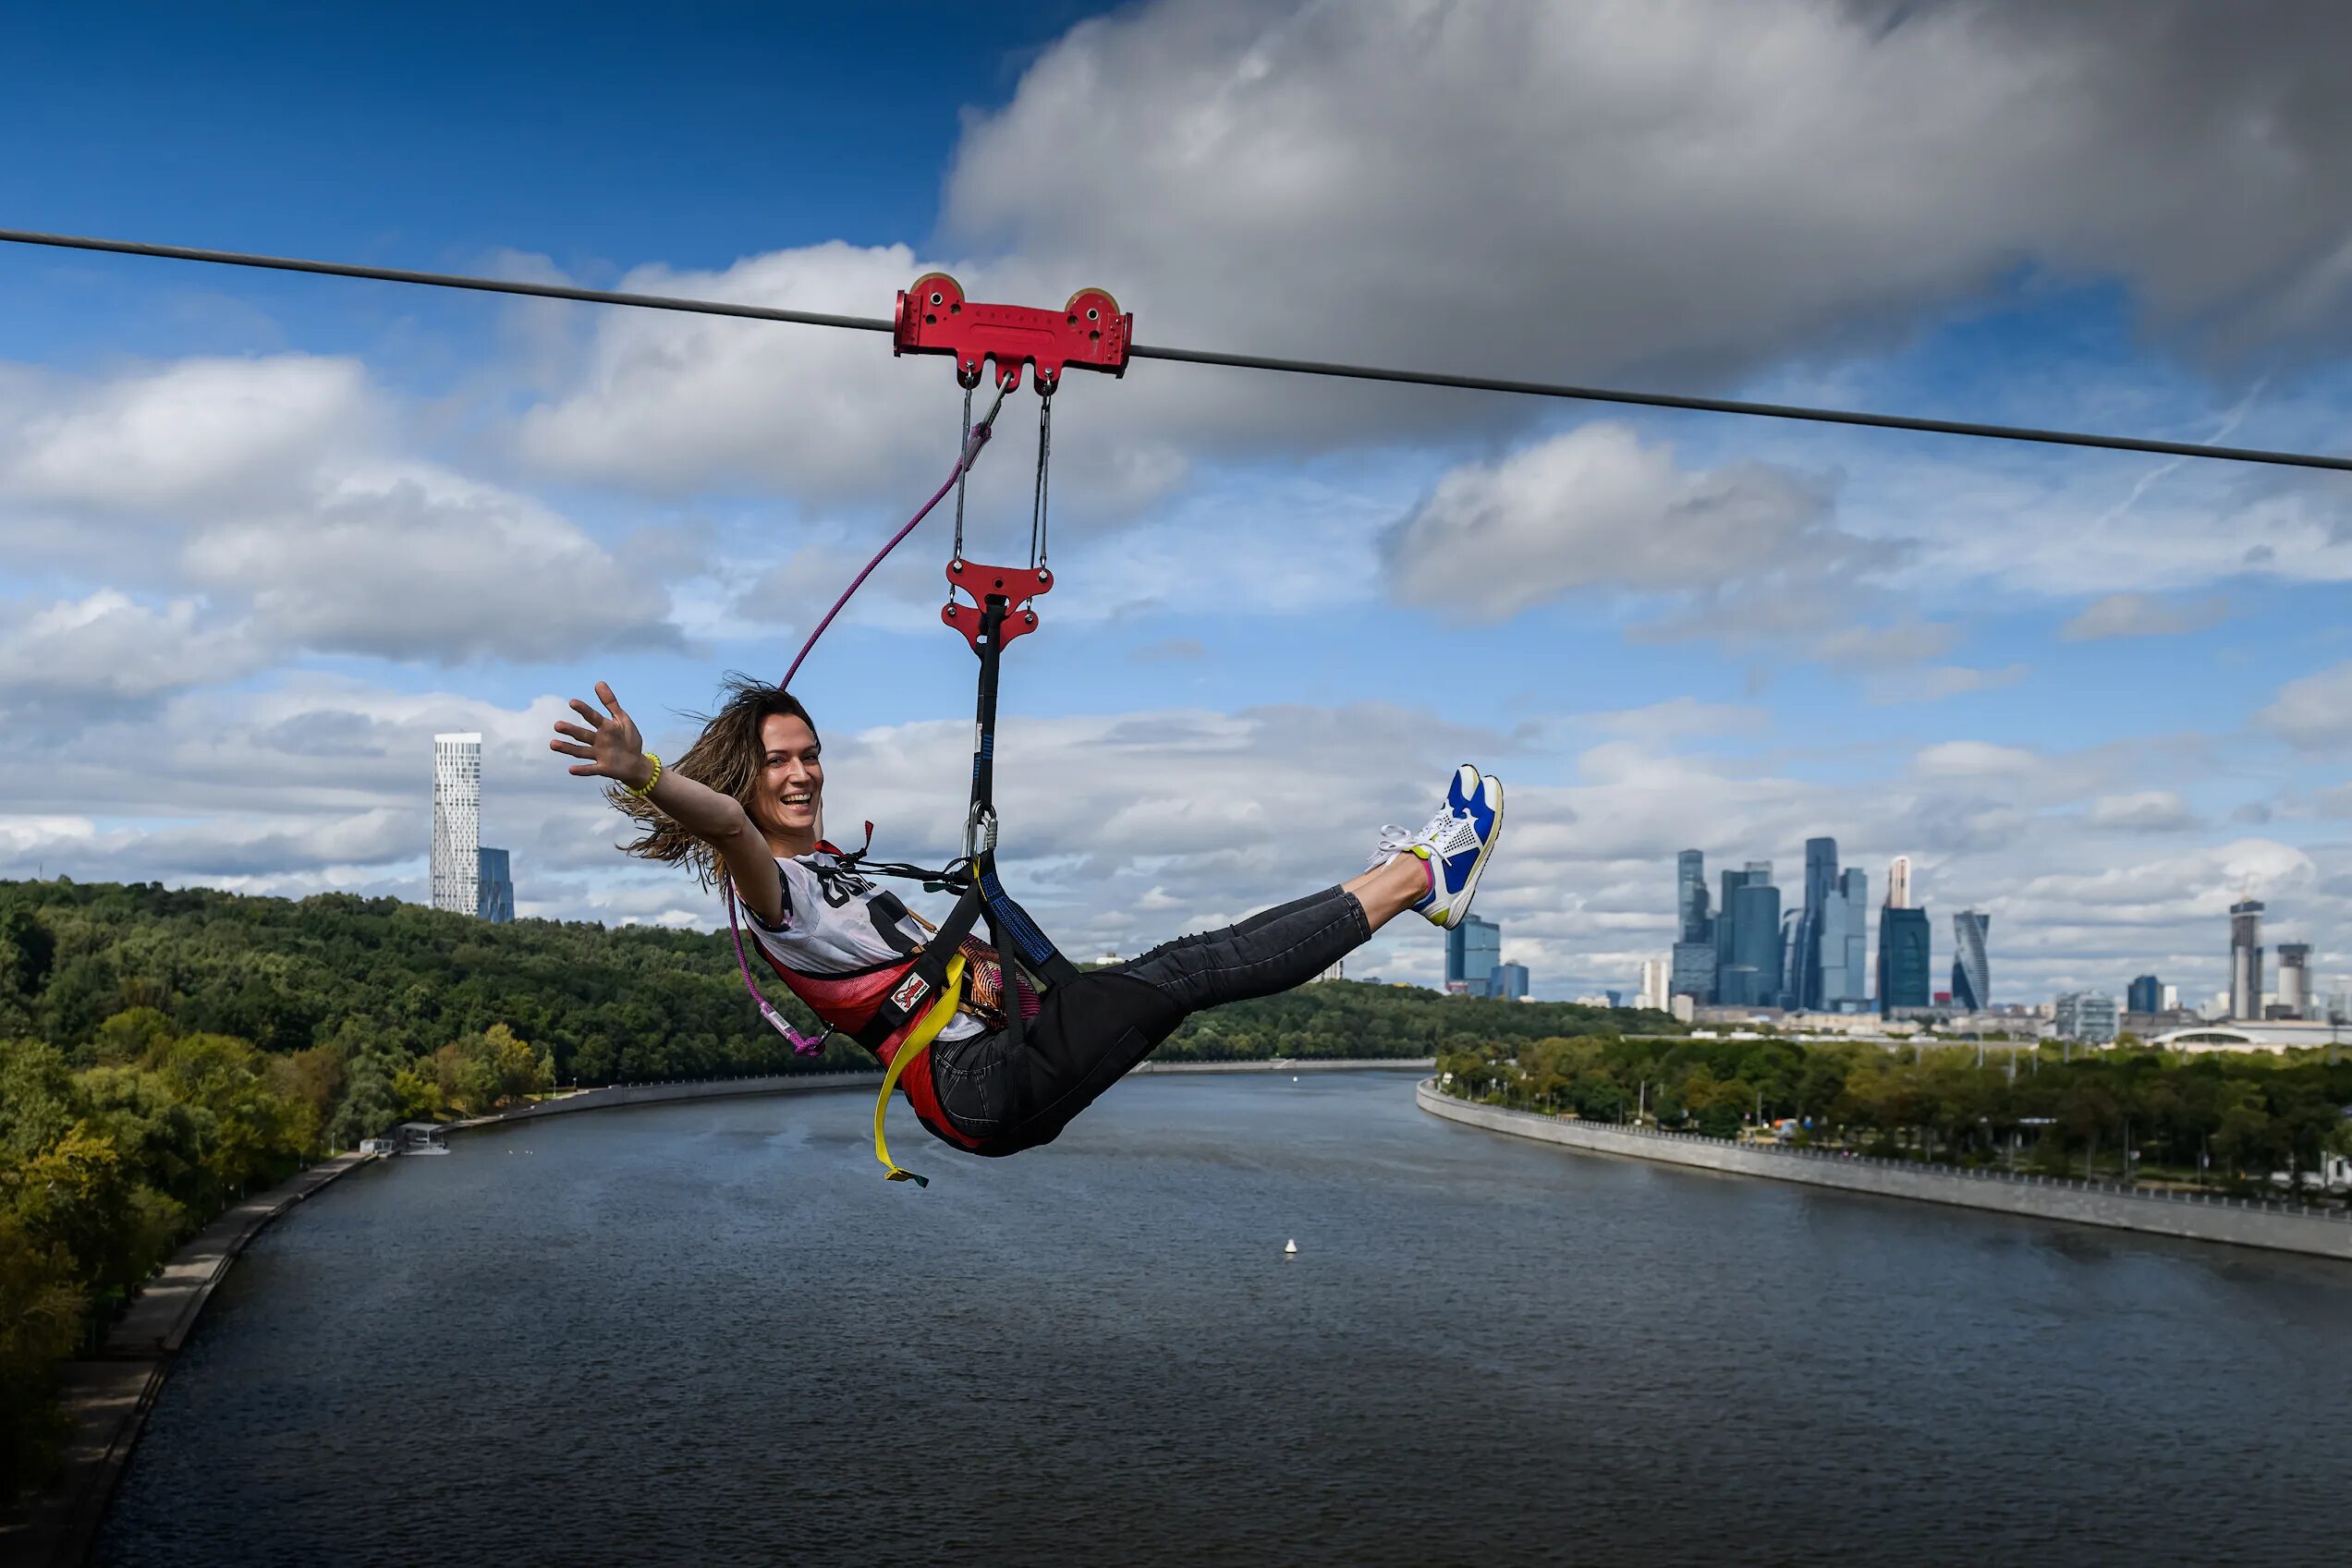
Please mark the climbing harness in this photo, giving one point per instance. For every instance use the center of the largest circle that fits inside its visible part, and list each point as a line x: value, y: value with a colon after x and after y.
x: 897, y: 1010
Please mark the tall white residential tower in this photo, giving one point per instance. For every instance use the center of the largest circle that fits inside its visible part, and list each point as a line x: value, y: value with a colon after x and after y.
x: 456, y: 823
x: 1898, y: 882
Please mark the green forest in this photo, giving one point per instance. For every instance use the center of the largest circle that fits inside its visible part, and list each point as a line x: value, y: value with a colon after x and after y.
x: 163, y: 1052
x: 2226, y: 1120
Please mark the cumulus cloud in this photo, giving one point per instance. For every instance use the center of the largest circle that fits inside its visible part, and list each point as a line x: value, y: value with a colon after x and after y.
x: 276, y: 487
x: 1679, y: 184
x: 2140, y: 614
x: 2154, y: 810
x: 2314, y: 713
x: 1598, y: 509
x: 106, y: 646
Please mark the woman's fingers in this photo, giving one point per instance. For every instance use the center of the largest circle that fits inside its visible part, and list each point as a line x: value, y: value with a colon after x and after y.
x: 575, y: 732
x: 590, y: 714
x: 570, y: 749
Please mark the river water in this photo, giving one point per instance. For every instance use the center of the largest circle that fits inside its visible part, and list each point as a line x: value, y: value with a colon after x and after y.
x: 709, y: 1332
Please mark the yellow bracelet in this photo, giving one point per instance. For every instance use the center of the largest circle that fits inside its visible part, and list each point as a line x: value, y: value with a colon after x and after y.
x: 641, y: 794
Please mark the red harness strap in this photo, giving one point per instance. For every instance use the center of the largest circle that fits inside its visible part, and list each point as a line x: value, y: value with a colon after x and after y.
x: 851, y: 1004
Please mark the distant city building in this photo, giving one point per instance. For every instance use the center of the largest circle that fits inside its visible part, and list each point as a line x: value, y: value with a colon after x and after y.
x: 1654, y: 976
x: 2170, y: 1001
x: 2294, y: 979
x: 1695, y: 960
x: 1854, y: 992
x: 1508, y: 983
x: 1753, y: 978
x: 1338, y: 971
x: 1821, y: 929
x: 2245, y: 959
x: 493, y: 887
x: 457, y: 823
x: 1692, y: 970
x: 1898, y: 882
x: 1791, y: 956
x: 2085, y: 1016
x: 2145, y: 995
x: 1972, y: 969
x: 1472, y: 949
x: 1904, y: 971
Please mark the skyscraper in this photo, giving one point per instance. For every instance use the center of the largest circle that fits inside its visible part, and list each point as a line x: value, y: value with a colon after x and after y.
x: 1903, y: 959
x: 1853, y: 991
x: 1508, y: 983
x: 1792, y: 958
x: 1753, y: 976
x: 1820, y: 928
x: 2294, y: 979
x: 456, y: 823
x: 1898, y: 882
x: 2245, y: 959
x: 1972, y: 969
x: 1694, y: 949
x: 2145, y: 995
x: 1472, y: 950
x: 494, y: 888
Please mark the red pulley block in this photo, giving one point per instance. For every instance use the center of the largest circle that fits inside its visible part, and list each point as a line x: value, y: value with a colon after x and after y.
x: 1089, y: 332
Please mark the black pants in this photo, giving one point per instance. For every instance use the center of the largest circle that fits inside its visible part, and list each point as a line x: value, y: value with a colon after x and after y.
x: 1090, y: 1032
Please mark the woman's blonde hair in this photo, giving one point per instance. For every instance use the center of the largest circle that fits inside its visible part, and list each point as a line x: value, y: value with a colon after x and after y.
x: 728, y: 756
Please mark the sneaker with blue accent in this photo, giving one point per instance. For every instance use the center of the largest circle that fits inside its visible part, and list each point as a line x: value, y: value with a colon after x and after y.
x: 1456, y: 843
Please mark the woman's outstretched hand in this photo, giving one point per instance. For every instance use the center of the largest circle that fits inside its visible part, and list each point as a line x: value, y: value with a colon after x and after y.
x: 610, y: 741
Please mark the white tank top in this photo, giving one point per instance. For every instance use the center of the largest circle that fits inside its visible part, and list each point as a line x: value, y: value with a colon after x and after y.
x: 836, y: 921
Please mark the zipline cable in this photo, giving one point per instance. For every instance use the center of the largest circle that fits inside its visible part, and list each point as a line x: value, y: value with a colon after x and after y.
x: 1232, y: 361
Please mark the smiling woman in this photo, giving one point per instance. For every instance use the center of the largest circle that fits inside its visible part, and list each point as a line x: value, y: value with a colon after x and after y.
x: 1005, y: 1064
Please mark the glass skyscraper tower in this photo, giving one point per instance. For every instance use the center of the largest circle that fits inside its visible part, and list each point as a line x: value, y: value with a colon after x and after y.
x: 1971, y: 970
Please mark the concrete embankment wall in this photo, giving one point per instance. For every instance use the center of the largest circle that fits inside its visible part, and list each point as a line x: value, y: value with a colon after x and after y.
x: 789, y: 1083
x: 2241, y: 1222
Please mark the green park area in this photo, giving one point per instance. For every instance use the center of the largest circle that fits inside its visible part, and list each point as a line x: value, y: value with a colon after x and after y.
x: 2222, y: 1120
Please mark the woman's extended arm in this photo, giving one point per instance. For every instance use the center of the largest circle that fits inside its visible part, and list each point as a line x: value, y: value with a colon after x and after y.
x: 615, y: 750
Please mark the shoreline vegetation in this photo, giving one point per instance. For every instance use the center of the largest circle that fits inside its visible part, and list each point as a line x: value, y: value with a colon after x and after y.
x: 2229, y: 1123
x: 164, y: 1052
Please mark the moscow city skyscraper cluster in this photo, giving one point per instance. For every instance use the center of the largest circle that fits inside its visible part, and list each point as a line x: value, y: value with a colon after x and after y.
x: 1742, y: 949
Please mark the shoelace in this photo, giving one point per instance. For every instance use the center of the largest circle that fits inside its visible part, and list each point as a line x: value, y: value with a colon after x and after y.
x: 1438, y: 834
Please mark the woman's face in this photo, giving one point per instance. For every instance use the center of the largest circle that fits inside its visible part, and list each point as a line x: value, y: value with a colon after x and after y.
x: 792, y: 780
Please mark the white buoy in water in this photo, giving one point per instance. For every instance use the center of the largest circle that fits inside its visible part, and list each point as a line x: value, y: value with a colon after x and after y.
x: 1294, y: 1078
x: 1290, y: 1247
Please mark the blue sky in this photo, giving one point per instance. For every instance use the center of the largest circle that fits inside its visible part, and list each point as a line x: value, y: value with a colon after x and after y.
x: 260, y: 536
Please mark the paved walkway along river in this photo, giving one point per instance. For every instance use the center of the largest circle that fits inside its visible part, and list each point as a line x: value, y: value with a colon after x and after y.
x: 2241, y: 1222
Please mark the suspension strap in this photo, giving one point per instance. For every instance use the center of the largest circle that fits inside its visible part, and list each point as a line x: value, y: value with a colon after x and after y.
x: 917, y: 1043
x: 1044, y: 463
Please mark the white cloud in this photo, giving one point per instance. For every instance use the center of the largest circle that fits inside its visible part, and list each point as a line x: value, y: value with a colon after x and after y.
x: 276, y: 487
x: 2314, y: 713
x: 2154, y: 810
x: 1679, y: 183
x: 2140, y: 614
x: 1595, y: 509
x: 106, y: 646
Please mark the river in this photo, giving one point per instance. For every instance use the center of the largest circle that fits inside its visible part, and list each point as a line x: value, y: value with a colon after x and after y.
x: 710, y: 1333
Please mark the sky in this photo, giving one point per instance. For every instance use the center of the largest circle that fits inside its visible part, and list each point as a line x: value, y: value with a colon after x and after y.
x: 262, y: 536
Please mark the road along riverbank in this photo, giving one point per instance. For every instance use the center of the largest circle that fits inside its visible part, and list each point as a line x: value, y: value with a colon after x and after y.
x: 2239, y: 1222
x: 108, y: 1398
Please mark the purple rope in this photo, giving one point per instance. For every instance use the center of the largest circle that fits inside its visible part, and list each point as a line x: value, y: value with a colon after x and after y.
x: 981, y: 433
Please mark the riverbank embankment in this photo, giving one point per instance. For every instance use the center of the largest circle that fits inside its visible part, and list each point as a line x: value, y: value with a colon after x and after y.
x: 2239, y: 1222
x: 107, y: 1398
x: 613, y: 1095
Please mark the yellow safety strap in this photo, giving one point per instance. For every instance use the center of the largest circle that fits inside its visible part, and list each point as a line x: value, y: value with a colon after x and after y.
x: 918, y: 1041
